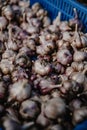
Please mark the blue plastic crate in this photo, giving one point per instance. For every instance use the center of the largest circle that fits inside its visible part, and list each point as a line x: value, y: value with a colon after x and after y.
x: 66, y: 8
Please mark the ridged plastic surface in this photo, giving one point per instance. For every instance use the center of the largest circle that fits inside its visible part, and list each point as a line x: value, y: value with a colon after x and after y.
x: 66, y: 8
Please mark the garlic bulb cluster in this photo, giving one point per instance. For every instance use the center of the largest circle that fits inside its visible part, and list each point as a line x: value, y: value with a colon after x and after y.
x: 43, y: 69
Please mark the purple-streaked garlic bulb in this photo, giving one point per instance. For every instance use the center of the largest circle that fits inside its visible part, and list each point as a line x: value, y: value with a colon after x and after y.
x: 7, y: 11
x: 29, y: 109
x: 64, y: 56
x: 6, y: 66
x: 41, y: 119
x: 19, y: 73
x: 23, y: 60
x: 54, y: 108
x: 9, y: 54
x: 71, y: 88
x: 10, y: 124
x: 31, y: 44
x: 79, y: 115
x: 79, y: 56
x: 41, y: 67
x: 47, y: 85
x: 19, y: 91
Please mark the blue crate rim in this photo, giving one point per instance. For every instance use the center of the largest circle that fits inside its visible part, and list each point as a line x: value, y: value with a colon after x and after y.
x: 79, y: 5
x: 75, y: 3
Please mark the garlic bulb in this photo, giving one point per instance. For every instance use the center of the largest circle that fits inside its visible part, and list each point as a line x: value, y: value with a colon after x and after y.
x: 29, y: 109
x: 41, y: 67
x: 54, y: 108
x: 64, y: 56
x: 19, y: 91
x: 6, y: 66
x: 7, y: 11
x: 79, y: 115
